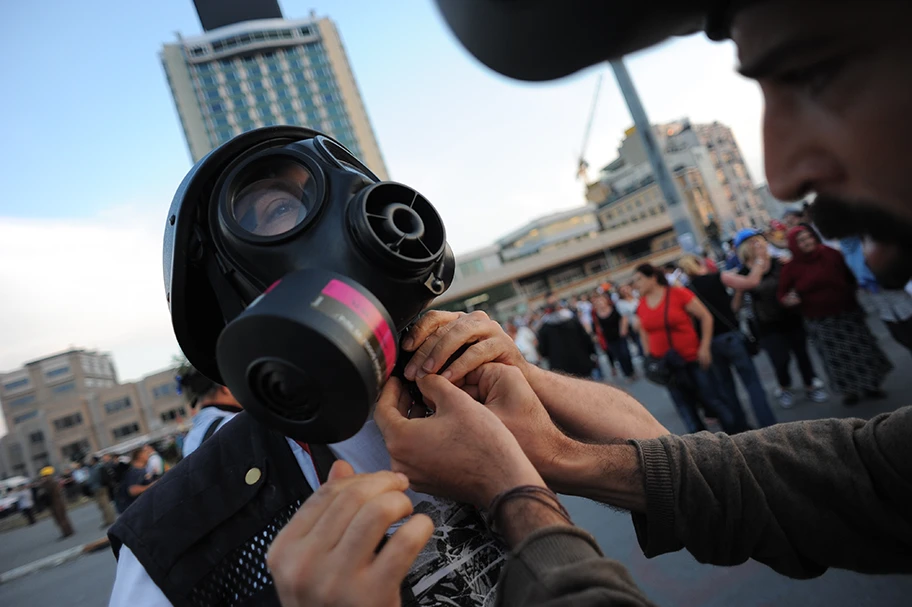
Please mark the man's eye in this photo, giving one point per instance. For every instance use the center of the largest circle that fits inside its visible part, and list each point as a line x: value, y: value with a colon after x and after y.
x: 814, y: 78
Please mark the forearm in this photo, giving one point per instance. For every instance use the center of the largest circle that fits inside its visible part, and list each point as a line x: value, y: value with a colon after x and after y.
x: 554, y: 563
x: 798, y: 497
x: 706, y: 331
x: 592, y: 411
x: 609, y: 473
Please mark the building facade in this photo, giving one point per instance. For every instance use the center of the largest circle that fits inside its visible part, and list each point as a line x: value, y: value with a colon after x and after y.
x: 249, y: 74
x: 709, y: 172
x: 732, y: 174
x: 559, y: 256
x: 63, y: 407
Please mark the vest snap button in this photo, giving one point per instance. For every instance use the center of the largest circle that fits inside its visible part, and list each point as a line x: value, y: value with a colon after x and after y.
x: 252, y: 476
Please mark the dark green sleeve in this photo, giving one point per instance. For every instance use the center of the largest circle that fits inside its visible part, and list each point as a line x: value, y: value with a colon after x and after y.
x: 799, y: 497
x: 563, y: 566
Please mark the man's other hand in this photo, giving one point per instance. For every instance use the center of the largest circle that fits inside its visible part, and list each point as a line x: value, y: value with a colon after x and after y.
x: 327, y: 554
x: 438, y: 335
x: 463, y: 451
x: 507, y: 394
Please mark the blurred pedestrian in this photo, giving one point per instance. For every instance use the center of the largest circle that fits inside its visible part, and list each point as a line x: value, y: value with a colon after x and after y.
x: 779, y: 330
x: 137, y: 479
x: 564, y: 342
x: 100, y: 481
x: 155, y: 465
x: 667, y: 316
x: 627, y: 304
x: 894, y: 306
x: 730, y: 347
x: 611, y: 329
x: 25, y: 501
x: 215, y: 402
x: 525, y: 340
x: 51, y: 486
x: 819, y: 283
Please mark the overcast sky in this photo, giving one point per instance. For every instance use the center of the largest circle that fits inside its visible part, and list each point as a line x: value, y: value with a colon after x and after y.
x: 93, y: 150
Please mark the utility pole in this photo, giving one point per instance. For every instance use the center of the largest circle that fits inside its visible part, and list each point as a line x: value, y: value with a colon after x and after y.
x: 677, y: 211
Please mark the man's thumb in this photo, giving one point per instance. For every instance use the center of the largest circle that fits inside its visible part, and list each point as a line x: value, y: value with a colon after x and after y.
x: 340, y: 469
x: 440, y: 393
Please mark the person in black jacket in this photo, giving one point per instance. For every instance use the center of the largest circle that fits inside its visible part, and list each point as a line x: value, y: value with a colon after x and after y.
x: 564, y: 341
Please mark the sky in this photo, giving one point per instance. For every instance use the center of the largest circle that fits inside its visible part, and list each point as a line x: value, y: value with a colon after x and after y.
x: 93, y: 150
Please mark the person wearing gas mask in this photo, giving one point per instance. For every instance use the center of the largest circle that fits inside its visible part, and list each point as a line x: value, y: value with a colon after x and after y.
x: 290, y: 271
x: 800, y: 497
x: 215, y: 402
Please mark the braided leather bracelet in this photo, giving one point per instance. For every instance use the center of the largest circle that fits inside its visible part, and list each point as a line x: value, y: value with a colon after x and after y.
x: 539, y: 494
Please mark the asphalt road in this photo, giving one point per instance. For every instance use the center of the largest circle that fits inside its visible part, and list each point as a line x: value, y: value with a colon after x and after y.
x: 28, y: 544
x: 669, y: 580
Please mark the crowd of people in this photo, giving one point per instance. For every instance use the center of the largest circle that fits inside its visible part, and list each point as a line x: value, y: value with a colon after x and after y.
x: 701, y: 320
x: 112, y: 481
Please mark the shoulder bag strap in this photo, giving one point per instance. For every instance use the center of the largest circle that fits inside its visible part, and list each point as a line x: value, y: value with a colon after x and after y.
x: 212, y: 428
x: 716, y: 312
x: 667, y: 327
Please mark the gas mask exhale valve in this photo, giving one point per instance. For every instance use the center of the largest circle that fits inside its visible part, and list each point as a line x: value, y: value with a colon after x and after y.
x: 317, y: 267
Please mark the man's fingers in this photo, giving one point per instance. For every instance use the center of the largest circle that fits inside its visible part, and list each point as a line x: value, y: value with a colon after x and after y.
x: 440, y: 345
x: 397, y: 556
x: 390, y: 410
x: 426, y: 326
x: 474, y: 357
x: 473, y: 391
x: 370, y: 524
x: 340, y: 470
x: 324, y: 516
x: 440, y: 393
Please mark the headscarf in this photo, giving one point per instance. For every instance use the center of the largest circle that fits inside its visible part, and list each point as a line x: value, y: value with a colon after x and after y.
x: 799, y: 255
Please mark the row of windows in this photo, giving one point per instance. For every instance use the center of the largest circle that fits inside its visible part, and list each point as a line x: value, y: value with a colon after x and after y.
x: 58, y: 372
x: 117, y: 405
x: 24, y: 417
x: 68, y: 421
x: 16, y: 384
x: 95, y: 382
x: 125, y: 431
x: 173, y: 414
x: 76, y: 451
x: 67, y: 387
x: 22, y: 401
x: 164, y: 391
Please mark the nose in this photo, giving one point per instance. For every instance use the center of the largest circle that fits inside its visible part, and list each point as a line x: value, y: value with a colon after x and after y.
x: 798, y: 156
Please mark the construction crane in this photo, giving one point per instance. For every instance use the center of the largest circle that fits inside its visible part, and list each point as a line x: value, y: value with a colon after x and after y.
x: 583, y: 166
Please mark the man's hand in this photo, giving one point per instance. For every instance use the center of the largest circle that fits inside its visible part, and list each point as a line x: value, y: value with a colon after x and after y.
x: 327, y: 554
x: 463, y: 451
x: 506, y: 393
x: 438, y: 335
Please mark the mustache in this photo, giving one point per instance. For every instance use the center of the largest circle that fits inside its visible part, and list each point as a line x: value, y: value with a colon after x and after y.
x: 838, y: 218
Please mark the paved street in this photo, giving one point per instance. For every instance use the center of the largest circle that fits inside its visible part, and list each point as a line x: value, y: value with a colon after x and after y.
x: 27, y: 544
x: 670, y: 580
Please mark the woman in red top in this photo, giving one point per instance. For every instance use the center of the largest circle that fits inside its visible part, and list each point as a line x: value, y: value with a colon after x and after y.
x: 691, y: 382
x: 819, y: 283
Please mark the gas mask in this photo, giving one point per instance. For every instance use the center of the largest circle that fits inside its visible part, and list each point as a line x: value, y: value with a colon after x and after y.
x: 309, y: 269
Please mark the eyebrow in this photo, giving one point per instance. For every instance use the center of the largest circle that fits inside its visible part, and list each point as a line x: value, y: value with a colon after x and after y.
x: 770, y: 61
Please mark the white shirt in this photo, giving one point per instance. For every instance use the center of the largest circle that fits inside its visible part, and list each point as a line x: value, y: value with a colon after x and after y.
x: 201, y: 422
x: 460, y: 564
x: 155, y: 466
x: 525, y: 342
x: 24, y: 498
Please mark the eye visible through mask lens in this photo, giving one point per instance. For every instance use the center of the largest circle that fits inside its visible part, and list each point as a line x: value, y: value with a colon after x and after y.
x: 273, y: 196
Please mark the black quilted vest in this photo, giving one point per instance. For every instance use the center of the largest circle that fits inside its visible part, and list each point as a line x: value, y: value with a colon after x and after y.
x: 202, y: 532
